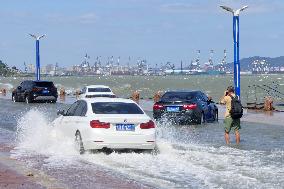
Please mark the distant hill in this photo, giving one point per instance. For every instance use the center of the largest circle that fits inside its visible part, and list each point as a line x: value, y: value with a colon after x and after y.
x: 246, y: 63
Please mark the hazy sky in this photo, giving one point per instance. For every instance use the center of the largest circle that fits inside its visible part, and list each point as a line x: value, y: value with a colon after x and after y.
x: 158, y: 30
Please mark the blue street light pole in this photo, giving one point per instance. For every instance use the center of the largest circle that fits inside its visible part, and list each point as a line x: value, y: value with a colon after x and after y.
x: 237, y: 68
x: 237, y: 76
x: 37, y: 61
x: 37, y: 56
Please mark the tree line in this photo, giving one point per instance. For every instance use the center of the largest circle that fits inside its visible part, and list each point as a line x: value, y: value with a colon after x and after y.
x: 5, y: 70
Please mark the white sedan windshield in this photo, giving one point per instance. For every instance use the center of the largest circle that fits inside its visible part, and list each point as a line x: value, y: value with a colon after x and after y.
x: 99, y: 90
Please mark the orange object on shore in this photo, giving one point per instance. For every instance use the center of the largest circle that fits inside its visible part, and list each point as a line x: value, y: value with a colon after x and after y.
x: 62, y: 92
x: 157, y: 96
x: 268, y: 104
x: 136, y: 96
x: 3, y: 92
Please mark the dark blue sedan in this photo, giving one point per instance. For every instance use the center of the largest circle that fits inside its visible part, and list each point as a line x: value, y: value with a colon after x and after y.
x: 186, y: 106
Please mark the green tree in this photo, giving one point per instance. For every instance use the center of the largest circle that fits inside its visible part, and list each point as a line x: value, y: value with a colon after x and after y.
x: 4, y: 69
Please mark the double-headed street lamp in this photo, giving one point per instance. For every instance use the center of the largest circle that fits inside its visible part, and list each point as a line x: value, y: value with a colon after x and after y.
x: 37, y: 55
x: 237, y: 70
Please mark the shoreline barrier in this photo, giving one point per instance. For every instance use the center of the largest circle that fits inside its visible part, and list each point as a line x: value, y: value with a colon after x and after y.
x: 62, y: 92
x: 268, y: 104
x: 77, y: 93
x: 157, y: 96
x: 3, y: 91
x: 135, y: 96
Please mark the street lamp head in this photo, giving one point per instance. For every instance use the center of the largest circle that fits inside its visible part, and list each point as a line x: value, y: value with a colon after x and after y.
x: 37, y: 37
x: 237, y: 12
x: 32, y: 35
x: 227, y: 8
x: 234, y: 12
x: 244, y: 7
x: 41, y: 36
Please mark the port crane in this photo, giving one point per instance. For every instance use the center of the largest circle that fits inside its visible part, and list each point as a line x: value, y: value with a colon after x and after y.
x: 170, y: 66
x: 195, y: 65
x: 142, y: 65
x: 222, y: 65
x: 26, y: 68
x: 97, y: 64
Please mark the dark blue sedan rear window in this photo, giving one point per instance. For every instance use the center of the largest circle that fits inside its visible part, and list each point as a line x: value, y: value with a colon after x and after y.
x: 115, y: 108
x: 44, y: 84
x: 179, y: 96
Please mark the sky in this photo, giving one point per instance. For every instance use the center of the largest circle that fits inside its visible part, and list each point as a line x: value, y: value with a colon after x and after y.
x: 157, y: 30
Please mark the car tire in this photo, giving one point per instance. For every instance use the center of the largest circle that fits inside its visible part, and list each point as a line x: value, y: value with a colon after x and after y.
x: 216, y: 116
x: 27, y: 100
x: 79, y: 143
x: 201, y: 118
x: 14, y: 98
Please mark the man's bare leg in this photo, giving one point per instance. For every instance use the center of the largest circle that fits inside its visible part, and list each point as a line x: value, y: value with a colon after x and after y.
x: 238, y: 137
x: 227, y: 137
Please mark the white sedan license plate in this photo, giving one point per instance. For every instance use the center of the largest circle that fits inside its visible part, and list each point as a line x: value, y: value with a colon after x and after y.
x: 125, y: 127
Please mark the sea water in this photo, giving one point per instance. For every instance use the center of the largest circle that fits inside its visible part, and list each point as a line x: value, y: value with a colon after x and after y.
x: 213, y: 86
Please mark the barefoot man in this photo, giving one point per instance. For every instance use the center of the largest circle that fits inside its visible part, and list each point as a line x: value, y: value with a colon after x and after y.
x: 229, y: 122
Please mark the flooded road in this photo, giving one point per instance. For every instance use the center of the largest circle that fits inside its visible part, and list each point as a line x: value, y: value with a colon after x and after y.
x: 189, y: 156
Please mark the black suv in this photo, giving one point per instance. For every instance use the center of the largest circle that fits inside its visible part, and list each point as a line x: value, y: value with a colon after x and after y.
x: 185, y: 106
x: 30, y: 91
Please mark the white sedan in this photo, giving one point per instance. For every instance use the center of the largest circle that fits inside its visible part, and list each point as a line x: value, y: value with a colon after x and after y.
x: 112, y: 123
x: 92, y: 91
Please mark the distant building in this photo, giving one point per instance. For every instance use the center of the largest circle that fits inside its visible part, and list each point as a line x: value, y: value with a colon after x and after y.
x: 31, y: 68
x: 50, y: 68
x: 43, y: 70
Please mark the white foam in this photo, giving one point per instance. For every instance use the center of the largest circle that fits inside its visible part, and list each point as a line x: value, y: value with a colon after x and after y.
x: 36, y: 134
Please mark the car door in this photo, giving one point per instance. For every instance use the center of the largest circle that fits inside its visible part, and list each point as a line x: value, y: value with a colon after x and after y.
x: 17, y: 91
x: 65, y: 124
x: 26, y: 89
x: 203, y: 102
x: 79, y: 121
x: 75, y: 118
x: 21, y: 91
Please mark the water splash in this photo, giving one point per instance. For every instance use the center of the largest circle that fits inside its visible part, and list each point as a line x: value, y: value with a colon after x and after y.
x: 182, y: 161
x: 35, y: 134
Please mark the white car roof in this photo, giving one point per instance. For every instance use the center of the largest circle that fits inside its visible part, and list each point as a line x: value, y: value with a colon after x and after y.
x: 97, y: 86
x: 106, y: 99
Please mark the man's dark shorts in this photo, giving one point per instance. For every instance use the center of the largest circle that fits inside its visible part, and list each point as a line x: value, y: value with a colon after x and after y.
x: 230, y: 123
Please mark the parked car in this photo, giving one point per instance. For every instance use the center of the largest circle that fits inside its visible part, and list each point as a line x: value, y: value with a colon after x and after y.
x: 92, y: 91
x: 107, y: 123
x: 30, y: 91
x: 185, y: 106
